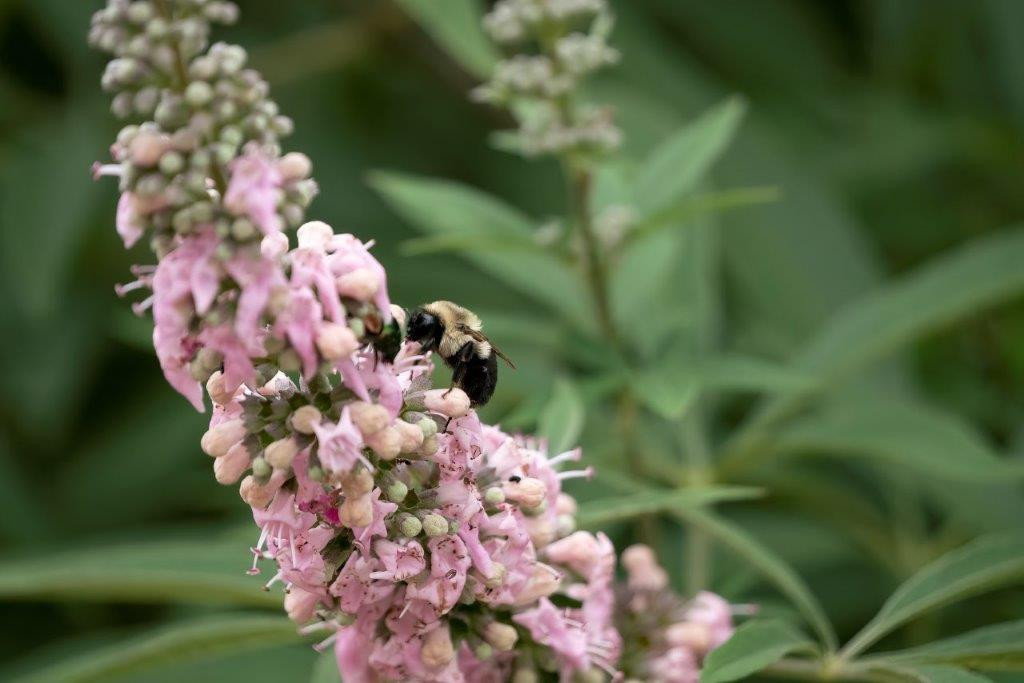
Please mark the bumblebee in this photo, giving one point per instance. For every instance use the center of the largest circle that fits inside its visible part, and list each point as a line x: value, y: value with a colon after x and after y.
x: 455, y: 334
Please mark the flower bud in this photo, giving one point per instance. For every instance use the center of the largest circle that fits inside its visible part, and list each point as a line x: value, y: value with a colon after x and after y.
x: 281, y: 453
x: 409, y: 525
x: 356, y: 511
x: 314, y: 235
x: 529, y: 492
x: 147, y: 148
x: 525, y: 676
x: 261, y: 469
x: 483, y: 651
x: 542, y: 582
x: 360, y: 284
x: 429, y: 447
x: 428, y: 426
x: 412, y: 436
x: 259, y: 495
x: 300, y: 605
x: 387, y: 443
x: 336, y: 341
x: 369, y: 418
x: 357, y: 482
x: 305, y: 419
x: 219, y: 439
x: 494, y: 496
x: 565, y: 525
x: 435, y: 525
x: 274, y: 246
x: 232, y: 465
x: 541, y: 530
x: 638, y: 556
x: 502, y: 637
x: 689, y: 634
x: 215, y: 388
x: 498, y: 575
x: 397, y: 491
x: 437, y: 648
x: 565, y: 504
x: 451, y: 402
x: 295, y: 166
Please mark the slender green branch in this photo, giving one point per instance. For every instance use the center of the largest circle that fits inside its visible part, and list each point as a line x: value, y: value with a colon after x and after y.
x: 698, y: 543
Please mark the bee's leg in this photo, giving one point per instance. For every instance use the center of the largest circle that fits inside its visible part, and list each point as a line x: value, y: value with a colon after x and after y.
x: 446, y: 423
x: 461, y: 365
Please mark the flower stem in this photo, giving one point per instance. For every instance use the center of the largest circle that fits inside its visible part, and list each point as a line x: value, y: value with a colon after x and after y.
x: 580, y: 185
x: 698, y: 545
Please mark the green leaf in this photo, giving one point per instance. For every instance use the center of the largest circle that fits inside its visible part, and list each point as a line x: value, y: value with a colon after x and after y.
x: 670, y: 389
x: 936, y: 674
x: 193, y: 640
x: 731, y: 372
x: 999, y: 646
x: 456, y: 243
x: 979, y: 566
x: 682, y: 213
x: 930, y: 442
x: 179, y: 571
x: 326, y: 669
x: 593, y: 513
x: 562, y: 420
x: 676, y: 167
x: 455, y: 25
x: 768, y: 564
x: 938, y: 294
x: 753, y: 646
x: 446, y: 208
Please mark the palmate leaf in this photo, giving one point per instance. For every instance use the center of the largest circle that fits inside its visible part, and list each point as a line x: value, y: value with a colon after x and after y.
x: 455, y: 25
x: 930, y: 442
x: 754, y: 645
x: 594, y: 513
x: 446, y: 208
x: 179, y: 642
x: 197, y: 572
x: 948, y: 289
x: 999, y: 646
x: 979, y: 566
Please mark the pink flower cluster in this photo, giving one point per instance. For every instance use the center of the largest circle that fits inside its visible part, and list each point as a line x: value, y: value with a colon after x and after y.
x: 676, y: 634
x: 429, y: 556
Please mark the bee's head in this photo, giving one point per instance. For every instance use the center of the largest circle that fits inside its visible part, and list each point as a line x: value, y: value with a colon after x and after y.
x: 424, y: 327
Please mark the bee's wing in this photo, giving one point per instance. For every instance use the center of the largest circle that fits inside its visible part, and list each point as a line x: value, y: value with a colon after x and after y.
x: 481, y: 337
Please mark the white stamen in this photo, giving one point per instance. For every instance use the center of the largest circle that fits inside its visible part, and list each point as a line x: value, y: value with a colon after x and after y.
x: 576, y: 474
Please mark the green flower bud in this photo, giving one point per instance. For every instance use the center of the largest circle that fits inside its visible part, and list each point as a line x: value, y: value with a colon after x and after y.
x: 171, y: 163
x: 494, y: 496
x: 409, y: 525
x: 242, y: 229
x: 316, y: 473
x: 397, y: 492
x: 428, y: 427
x: 483, y: 651
x: 261, y: 469
x: 198, y: 94
x: 435, y: 525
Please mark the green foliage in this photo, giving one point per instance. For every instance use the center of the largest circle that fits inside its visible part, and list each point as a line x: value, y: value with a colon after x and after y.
x: 818, y: 376
x: 754, y: 646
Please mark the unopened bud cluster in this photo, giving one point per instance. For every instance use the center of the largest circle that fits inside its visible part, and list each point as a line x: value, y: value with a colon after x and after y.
x: 667, y: 636
x: 560, y: 43
x: 192, y: 112
x: 430, y: 547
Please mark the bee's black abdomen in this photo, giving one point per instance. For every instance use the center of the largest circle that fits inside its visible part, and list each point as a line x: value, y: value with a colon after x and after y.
x: 479, y: 379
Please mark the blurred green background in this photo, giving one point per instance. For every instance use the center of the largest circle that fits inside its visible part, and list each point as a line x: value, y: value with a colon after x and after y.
x: 893, y: 131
